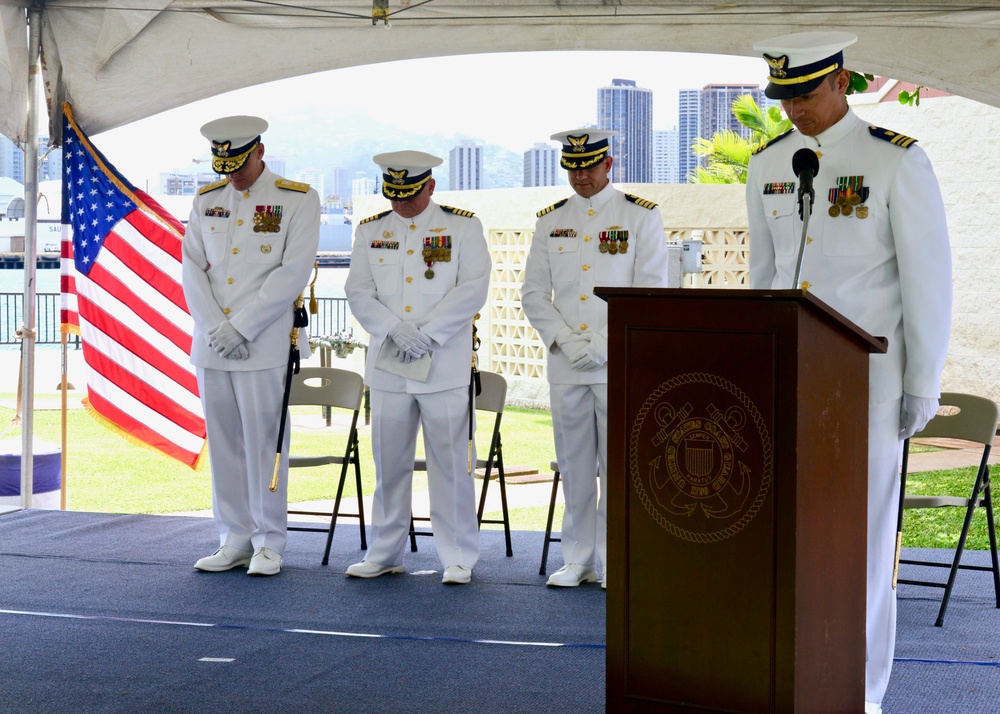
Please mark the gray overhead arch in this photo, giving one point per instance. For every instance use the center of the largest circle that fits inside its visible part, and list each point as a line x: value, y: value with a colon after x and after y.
x: 118, y: 61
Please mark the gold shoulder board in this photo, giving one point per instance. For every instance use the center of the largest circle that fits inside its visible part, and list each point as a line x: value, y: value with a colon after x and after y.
x: 551, y: 208
x: 892, y: 137
x: 375, y: 217
x: 639, y: 201
x: 292, y: 185
x: 212, y: 186
x: 457, y: 211
x: 772, y: 142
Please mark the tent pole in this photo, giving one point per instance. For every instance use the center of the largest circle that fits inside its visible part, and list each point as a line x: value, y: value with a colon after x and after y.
x: 64, y: 405
x: 30, y: 231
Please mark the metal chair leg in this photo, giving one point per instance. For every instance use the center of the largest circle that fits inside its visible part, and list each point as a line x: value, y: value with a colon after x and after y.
x: 549, y: 538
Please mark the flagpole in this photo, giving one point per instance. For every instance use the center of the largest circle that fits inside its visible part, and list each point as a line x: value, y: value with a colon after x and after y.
x: 30, y: 231
x: 64, y: 386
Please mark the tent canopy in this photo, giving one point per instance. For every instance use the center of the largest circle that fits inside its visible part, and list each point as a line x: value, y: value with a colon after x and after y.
x: 118, y: 61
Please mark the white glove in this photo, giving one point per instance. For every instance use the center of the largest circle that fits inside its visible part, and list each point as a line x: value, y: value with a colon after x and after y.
x: 410, y: 339
x: 406, y: 356
x: 593, y: 356
x: 241, y: 352
x: 571, y: 343
x: 225, y: 338
x: 914, y: 414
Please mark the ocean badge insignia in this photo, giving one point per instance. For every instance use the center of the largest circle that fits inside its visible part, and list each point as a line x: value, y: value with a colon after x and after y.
x: 700, y: 458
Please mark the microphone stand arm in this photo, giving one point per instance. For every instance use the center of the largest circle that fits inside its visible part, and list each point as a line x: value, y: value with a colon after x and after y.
x: 806, y: 208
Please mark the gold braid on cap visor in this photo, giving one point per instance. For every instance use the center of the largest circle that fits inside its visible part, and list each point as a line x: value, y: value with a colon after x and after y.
x: 231, y: 164
x: 804, y: 78
x: 401, y: 192
x: 571, y: 160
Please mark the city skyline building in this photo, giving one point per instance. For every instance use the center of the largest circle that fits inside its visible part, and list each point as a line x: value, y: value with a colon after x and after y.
x: 315, y: 179
x: 12, y: 160
x: 707, y: 111
x: 277, y: 165
x: 541, y: 166
x: 185, y: 184
x: 717, y: 108
x: 688, y: 127
x: 465, y: 167
x: 627, y: 109
x: 340, y: 187
x: 362, y: 184
x: 665, y: 156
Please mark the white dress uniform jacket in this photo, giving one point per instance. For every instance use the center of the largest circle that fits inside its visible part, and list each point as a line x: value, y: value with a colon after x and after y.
x: 253, y: 278
x: 883, y: 261
x: 386, y: 284
x: 565, y: 264
x: 889, y: 272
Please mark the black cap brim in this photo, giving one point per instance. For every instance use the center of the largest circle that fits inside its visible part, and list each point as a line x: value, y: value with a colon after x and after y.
x: 790, y: 91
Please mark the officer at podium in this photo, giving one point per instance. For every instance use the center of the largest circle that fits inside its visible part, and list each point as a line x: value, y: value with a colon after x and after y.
x: 876, y: 251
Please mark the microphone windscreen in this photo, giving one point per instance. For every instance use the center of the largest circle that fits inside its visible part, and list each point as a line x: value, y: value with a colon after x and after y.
x: 805, y: 159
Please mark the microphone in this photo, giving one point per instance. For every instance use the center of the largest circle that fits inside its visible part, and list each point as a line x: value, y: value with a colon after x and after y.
x: 805, y: 164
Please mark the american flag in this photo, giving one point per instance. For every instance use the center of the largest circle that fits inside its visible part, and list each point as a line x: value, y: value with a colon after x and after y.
x: 121, y: 292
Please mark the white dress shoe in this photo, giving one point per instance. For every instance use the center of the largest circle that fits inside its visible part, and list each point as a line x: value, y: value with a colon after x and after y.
x: 457, y: 575
x: 225, y: 558
x: 604, y: 581
x: 264, y: 562
x: 569, y: 576
x: 873, y: 708
x: 368, y: 569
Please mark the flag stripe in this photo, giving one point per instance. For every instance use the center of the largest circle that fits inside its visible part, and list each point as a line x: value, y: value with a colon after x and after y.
x: 143, y: 399
x: 140, y: 358
x: 160, y: 268
x: 139, y: 430
x: 119, y: 282
x: 126, y: 324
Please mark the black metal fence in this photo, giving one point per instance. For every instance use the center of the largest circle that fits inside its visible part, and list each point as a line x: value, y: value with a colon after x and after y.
x: 334, y: 316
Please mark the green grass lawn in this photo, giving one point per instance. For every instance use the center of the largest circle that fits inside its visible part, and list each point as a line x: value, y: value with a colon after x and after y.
x: 106, y: 473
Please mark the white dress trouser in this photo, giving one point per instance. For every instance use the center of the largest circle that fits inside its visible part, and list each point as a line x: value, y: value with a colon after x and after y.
x: 241, y: 415
x: 884, y: 453
x: 396, y: 417
x: 580, y: 427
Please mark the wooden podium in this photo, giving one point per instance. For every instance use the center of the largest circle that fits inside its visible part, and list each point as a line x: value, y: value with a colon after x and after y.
x: 738, y: 453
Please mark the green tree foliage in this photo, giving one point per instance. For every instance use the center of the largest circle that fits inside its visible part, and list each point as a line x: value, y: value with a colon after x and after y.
x: 727, y: 154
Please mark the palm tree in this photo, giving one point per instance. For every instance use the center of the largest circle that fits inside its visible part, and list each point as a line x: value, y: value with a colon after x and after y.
x: 727, y: 153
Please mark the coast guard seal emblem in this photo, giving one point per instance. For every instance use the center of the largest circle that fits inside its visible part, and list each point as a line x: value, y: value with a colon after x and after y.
x: 700, y: 458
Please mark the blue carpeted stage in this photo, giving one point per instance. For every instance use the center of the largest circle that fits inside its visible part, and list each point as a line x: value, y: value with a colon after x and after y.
x: 104, y: 613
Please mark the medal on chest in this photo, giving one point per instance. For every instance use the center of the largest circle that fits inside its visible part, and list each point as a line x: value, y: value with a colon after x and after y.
x: 437, y: 248
x: 267, y: 219
x: 849, y: 197
x: 613, y: 241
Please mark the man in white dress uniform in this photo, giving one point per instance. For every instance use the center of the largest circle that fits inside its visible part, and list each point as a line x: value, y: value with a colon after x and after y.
x: 598, y: 236
x: 419, y: 274
x: 249, y: 248
x: 877, y: 251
